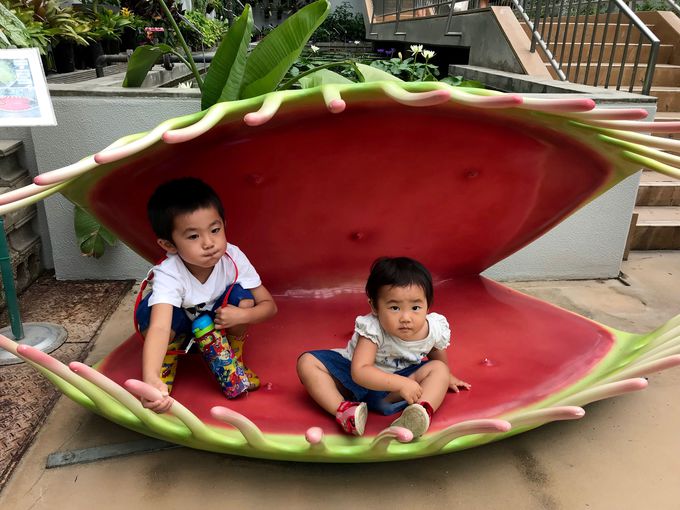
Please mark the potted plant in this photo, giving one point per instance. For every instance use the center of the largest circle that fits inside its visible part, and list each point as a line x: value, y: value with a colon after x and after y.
x: 107, y: 27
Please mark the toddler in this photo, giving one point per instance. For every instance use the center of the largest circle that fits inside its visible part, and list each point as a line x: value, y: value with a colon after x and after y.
x: 201, y: 268
x: 383, y: 363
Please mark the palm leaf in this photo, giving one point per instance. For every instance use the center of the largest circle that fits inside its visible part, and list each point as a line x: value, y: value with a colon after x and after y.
x: 273, y: 56
x: 224, y: 77
x: 140, y: 63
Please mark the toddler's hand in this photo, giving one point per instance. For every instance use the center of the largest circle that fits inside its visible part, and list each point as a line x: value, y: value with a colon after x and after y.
x: 455, y: 384
x: 164, y: 403
x: 229, y: 316
x: 410, y: 390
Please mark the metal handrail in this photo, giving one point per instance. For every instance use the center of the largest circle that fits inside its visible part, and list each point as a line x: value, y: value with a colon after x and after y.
x: 399, y: 10
x: 561, y: 15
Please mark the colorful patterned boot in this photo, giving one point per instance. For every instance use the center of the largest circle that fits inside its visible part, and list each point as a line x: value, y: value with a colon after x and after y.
x: 169, y: 366
x: 237, y: 346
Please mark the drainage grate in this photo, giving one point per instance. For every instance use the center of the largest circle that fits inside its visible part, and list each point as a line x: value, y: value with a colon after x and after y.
x: 85, y: 75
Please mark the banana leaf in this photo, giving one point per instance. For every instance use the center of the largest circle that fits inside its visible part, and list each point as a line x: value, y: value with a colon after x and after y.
x: 273, y: 56
x: 224, y: 77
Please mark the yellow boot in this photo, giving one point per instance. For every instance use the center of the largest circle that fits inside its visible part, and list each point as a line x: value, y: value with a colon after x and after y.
x: 169, y: 366
x: 237, y: 346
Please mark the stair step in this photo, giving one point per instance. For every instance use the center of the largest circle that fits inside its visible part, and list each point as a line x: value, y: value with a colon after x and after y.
x: 657, y: 228
x: 575, y: 32
x: 658, y: 216
x: 665, y: 75
x: 651, y: 177
x: 664, y: 55
x: 668, y: 98
x: 659, y: 192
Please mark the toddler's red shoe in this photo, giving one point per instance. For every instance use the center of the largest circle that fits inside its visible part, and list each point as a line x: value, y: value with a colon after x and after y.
x: 351, y: 416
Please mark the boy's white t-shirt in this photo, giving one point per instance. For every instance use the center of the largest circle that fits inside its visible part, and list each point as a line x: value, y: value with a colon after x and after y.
x: 172, y: 283
x: 393, y: 353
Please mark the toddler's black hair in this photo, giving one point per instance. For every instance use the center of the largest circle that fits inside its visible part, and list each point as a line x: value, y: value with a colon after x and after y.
x: 398, y: 272
x: 179, y: 196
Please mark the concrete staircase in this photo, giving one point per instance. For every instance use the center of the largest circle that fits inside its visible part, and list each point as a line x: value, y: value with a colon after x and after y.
x: 24, y: 242
x: 658, y: 203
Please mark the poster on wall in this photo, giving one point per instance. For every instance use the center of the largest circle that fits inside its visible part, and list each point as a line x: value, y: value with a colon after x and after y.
x: 24, y: 97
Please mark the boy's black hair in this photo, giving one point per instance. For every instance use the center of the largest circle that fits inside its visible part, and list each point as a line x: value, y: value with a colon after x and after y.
x: 398, y: 272
x: 179, y: 196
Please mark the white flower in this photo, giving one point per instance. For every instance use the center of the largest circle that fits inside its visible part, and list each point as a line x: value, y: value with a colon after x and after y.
x: 315, y: 48
x: 428, y: 54
x: 416, y: 48
x: 357, y: 42
x: 400, y: 57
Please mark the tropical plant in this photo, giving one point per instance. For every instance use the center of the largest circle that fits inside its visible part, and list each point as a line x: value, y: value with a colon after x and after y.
x: 56, y: 22
x: 92, y: 236
x: 342, y: 24
x: 200, y: 32
x: 107, y: 24
x: 235, y: 73
x: 409, y: 69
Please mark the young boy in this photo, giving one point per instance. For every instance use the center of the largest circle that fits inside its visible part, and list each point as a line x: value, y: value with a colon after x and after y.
x: 187, y: 216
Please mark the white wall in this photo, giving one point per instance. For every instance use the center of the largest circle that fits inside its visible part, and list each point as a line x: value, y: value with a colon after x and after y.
x: 86, y: 126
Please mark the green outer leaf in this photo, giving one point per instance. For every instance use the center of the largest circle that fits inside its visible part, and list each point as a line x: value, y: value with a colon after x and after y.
x: 224, y: 77
x: 140, y: 63
x: 91, y: 235
x: 323, y: 77
x: 273, y: 56
x: 18, y: 34
x: 374, y: 74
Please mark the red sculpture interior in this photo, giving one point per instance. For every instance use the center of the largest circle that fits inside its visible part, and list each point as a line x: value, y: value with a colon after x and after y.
x: 313, y: 198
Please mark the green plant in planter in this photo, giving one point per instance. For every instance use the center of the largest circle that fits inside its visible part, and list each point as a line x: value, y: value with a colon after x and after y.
x: 235, y: 73
x: 107, y: 24
x: 201, y: 32
x: 13, y: 32
x: 409, y: 68
x: 342, y: 24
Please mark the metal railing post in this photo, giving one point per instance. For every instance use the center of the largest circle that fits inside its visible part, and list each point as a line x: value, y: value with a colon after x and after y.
x: 8, y: 284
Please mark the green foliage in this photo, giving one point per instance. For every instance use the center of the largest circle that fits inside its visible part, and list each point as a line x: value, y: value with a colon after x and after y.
x: 343, y: 24
x: 407, y: 69
x: 272, y: 57
x: 52, y: 21
x: 458, y: 81
x: 107, y: 24
x: 92, y: 237
x: 323, y: 77
x: 235, y: 74
x: 225, y: 75
x: 141, y: 61
x: 200, y: 31
x: 13, y: 32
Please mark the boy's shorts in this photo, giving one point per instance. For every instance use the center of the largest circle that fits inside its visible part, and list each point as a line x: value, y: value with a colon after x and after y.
x: 181, y: 323
x: 341, y: 369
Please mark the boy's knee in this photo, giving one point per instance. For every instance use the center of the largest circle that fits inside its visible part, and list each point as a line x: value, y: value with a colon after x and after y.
x: 246, y: 303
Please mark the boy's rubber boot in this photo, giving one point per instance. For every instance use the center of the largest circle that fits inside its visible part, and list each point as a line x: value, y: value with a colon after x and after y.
x: 169, y: 366
x: 237, y: 346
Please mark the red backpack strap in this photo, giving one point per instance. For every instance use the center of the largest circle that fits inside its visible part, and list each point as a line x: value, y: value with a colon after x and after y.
x: 226, y: 296
x: 143, y: 286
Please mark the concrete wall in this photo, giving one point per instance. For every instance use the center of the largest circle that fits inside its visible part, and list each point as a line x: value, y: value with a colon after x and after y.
x: 590, y: 243
x: 87, y: 124
x: 478, y: 30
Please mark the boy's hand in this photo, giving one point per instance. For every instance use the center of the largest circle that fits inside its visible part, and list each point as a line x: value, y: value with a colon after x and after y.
x: 230, y: 316
x: 159, y: 406
x: 410, y: 390
x: 456, y: 384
